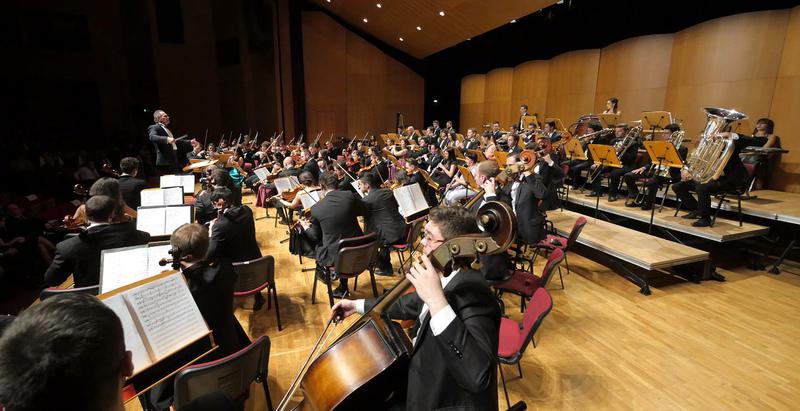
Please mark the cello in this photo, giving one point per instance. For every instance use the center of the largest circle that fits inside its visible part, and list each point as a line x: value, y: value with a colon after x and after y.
x: 333, y: 380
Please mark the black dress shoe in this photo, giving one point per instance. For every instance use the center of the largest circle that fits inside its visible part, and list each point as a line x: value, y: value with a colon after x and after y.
x: 323, y: 276
x: 703, y: 222
x: 647, y: 206
x: 259, y: 302
x: 340, y: 292
x: 611, y: 199
x: 691, y: 216
x: 631, y: 203
x: 593, y: 194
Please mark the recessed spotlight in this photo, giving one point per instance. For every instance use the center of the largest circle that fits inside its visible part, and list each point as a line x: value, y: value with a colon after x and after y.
x: 378, y: 5
x: 513, y: 21
x: 328, y: 1
x: 401, y: 39
x: 364, y: 19
x: 441, y: 13
x: 469, y: 38
x: 435, y: 100
x: 419, y: 28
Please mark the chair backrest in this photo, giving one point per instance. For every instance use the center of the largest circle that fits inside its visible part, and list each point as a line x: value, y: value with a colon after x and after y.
x: 231, y: 375
x: 52, y: 292
x: 356, y: 254
x: 576, y: 231
x: 555, y: 258
x: 540, y: 305
x: 254, y: 275
x: 414, y: 231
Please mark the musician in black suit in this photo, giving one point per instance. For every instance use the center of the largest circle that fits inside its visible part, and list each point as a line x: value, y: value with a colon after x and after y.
x: 383, y: 218
x: 233, y: 233
x: 628, y: 160
x: 550, y: 131
x: 471, y: 140
x: 415, y: 177
x: 431, y: 160
x: 80, y: 255
x: 651, y: 181
x: 511, y: 144
x: 129, y: 186
x: 733, y: 175
x: 435, y: 129
x: 523, y: 112
x: 524, y: 194
x: 332, y: 219
x: 165, y: 143
x: 379, y: 169
x: 344, y: 178
x: 454, y: 360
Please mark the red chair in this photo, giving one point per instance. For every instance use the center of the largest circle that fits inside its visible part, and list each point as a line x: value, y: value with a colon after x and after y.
x: 413, y: 231
x: 552, y: 242
x: 514, y: 337
x: 52, y: 292
x: 525, y: 284
x: 254, y: 276
x: 356, y: 255
x: 232, y: 375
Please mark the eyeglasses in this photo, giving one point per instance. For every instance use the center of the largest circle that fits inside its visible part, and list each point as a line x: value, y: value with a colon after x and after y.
x: 427, y: 237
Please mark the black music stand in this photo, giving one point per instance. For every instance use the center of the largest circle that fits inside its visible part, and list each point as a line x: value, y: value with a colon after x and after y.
x: 574, y: 151
x: 662, y: 153
x: 603, y: 155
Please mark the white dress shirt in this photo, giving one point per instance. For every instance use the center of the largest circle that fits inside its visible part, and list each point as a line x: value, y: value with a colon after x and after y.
x: 169, y: 133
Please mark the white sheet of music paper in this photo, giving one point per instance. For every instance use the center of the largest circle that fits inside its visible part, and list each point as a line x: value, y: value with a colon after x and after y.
x: 133, y: 340
x: 167, y: 314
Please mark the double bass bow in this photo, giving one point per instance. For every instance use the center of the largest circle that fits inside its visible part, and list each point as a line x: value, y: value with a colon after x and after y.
x: 337, y: 380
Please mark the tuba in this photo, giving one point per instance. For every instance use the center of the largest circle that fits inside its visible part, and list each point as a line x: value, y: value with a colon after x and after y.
x: 713, y: 152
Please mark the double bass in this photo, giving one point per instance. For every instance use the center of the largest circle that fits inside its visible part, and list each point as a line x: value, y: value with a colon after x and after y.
x: 367, y: 366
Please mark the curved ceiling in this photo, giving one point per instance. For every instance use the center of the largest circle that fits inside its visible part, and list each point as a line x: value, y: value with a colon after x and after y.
x: 462, y: 19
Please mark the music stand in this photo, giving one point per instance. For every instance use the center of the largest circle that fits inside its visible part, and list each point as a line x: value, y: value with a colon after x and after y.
x: 742, y: 127
x: 662, y: 153
x: 479, y: 154
x: 574, y: 151
x: 559, y: 124
x: 653, y: 121
x: 459, y: 154
x: 603, y: 156
x: 609, y: 120
x: 501, y: 157
x: 528, y: 120
x: 469, y: 178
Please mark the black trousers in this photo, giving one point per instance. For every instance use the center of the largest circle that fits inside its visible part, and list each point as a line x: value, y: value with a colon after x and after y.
x: 575, y: 169
x: 651, y: 186
x: 615, y: 176
x: 704, y: 192
x: 384, y: 259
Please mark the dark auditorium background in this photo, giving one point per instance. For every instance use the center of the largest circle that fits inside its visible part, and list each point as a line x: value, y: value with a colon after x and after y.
x: 86, y: 75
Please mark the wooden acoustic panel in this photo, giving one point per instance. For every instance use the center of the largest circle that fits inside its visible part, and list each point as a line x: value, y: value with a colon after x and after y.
x: 571, y: 85
x: 497, y: 97
x: 529, y: 87
x: 472, y: 101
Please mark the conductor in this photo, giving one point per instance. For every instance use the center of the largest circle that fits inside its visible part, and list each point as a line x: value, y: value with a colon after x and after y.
x: 165, y: 143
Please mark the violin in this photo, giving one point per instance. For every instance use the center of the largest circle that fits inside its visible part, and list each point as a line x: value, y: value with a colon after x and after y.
x: 335, y: 379
x: 108, y: 169
x: 365, y: 169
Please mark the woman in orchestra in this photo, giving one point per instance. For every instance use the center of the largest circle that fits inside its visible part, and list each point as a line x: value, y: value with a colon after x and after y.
x: 763, y: 134
x: 309, y: 184
x: 612, y: 107
x: 106, y: 186
x: 458, y: 189
x: 446, y: 170
x: 400, y: 150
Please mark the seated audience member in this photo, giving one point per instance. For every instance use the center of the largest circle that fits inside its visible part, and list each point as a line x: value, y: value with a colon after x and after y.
x: 80, y: 255
x: 67, y: 353
x: 129, y: 186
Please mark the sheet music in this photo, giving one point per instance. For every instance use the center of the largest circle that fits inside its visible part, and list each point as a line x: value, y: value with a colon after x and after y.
x: 154, y: 254
x: 127, y: 265
x: 285, y: 183
x: 410, y: 199
x: 178, y: 180
x: 162, y: 196
x: 167, y: 314
x: 150, y: 220
x: 176, y: 217
x: 261, y: 173
x: 133, y: 340
x: 355, y: 185
x: 309, y: 198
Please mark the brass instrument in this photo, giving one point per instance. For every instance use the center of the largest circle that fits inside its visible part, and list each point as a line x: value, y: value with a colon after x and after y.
x: 621, y: 147
x: 713, y: 151
x: 676, y: 138
x: 591, y: 136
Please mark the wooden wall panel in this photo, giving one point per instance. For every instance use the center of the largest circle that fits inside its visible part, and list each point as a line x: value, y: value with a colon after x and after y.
x: 571, y: 85
x: 635, y: 71
x: 472, y: 101
x: 530, y: 87
x: 325, y: 73
x: 785, y: 109
x: 729, y: 62
x: 348, y: 79
x: 497, y: 97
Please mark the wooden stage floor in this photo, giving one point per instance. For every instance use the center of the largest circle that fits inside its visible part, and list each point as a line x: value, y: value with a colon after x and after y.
x: 731, y: 345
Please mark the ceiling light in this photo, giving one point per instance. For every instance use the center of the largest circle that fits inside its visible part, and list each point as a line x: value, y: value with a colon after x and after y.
x: 512, y: 21
x: 435, y: 100
x: 419, y: 28
x: 328, y: 1
x: 378, y: 5
x: 364, y: 19
x: 441, y: 13
x: 401, y: 39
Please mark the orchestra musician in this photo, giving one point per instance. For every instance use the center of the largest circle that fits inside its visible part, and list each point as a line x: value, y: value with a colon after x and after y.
x: 378, y: 166
x: 523, y: 111
x: 382, y: 217
x: 652, y: 181
x: 496, y: 132
x: 343, y: 177
x: 429, y: 161
x: 577, y: 166
x: 454, y: 360
x: 448, y: 126
x: 415, y: 177
x: 80, y: 255
x: 421, y: 150
x: 196, y: 153
x: 130, y: 187
x: 436, y: 129
x: 550, y: 132
x: 446, y: 169
x: 165, y: 143
x: 628, y: 161
x: 455, y: 192
x: 487, y: 141
x: 332, y: 219
x: 511, y: 143
x: 612, y: 107
x: 470, y: 140
x: 733, y: 175
x: 447, y: 139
